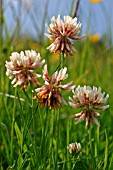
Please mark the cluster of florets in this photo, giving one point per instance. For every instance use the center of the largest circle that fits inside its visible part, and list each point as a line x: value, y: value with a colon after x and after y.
x: 90, y: 99
x: 22, y: 70
x: 49, y: 94
x: 61, y: 33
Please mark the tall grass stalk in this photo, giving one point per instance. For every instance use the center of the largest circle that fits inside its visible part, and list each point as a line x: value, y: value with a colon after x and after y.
x: 68, y: 141
x: 12, y: 128
x: 83, y: 59
x: 34, y: 131
x: 51, y: 162
x: 96, y: 145
x: 57, y: 138
x: 106, y: 151
x: 44, y: 137
x: 43, y: 21
x: 62, y: 60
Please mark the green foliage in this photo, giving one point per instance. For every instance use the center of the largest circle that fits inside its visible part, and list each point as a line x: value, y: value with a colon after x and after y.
x: 34, y: 138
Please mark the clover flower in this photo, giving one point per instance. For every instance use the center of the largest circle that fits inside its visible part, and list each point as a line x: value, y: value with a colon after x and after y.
x: 21, y: 68
x: 74, y: 148
x: 90, y: 99
x: 49, y: 94
x: 61, y: 33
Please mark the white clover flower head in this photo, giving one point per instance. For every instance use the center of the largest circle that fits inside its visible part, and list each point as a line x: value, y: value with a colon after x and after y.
x: 49, y: 94
x: 61, y: 32
x: 21, y: 68
x: 90, y: 99
x: 74, y: 148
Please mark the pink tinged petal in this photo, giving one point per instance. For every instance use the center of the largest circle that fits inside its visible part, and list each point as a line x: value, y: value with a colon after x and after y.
x: 45, y: 74
x: 78, y: 145
x: 63, y: 33
x: 71, y: 99
x: 54, y: 47
x: 73, y: 49
x: 38, y: 75
x: 14, y: 56
x: 60, y: 99
x: 62, y: 46
x: 99, y: 98
x: 79, y: 37
x: 80, y: 119
x: 105, y: 99
x: 59, y: 23
x: 10, y: 74
x: 37, y: 63
x: 19, y: 82
x: 74, y: 21
x: 41, y: 63
x: 65, y: 19
x: 87, y: 121
x: 38, y: 89
x: 14, y: 80
x: 16, y: 72
x: 21, y: 54
x: 29, y: 78
x: 64, y: 101
x: 105, y: 107
x: 53, y: 19
x: 67, y: 46
x: 72, y: 33
x: 79, y: 98
x: 54, y: 77
x: 47, y: 83
x: 62, y: 74
x: 67, y: 86
x: 76, y: 105
x: 95, y: 121
x: 101, y: 108
x: 96, y: 114
x: 72, y: 104
x: 46, y: 25
x: 77, y: 115
x: 9, y: 65
x: 50, y: 36
x: 50, y: 95
x: 51, y: 46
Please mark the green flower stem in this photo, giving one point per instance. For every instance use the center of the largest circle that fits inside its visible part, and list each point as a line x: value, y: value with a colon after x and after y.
x: 62, y: 60
x: 27, y: 97
x: 57, y: 118
x: 12, y: 127
x: 91, y: 146
x: 34, y: 130
x: 90, y: 139
x: 68, y: 137
x: 44, y: 136
x: 57, y: 137
x: 52, y: 113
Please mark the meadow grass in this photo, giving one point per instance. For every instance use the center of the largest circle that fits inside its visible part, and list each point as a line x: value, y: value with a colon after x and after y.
x: 37, y: 138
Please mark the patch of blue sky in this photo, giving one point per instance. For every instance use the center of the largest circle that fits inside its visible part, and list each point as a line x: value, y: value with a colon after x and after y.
x: 95, y: 18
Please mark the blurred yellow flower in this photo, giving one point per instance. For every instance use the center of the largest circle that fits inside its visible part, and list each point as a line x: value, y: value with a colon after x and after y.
x: 95, y: 1
x: 54, y: 57
x: 94, y: 38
